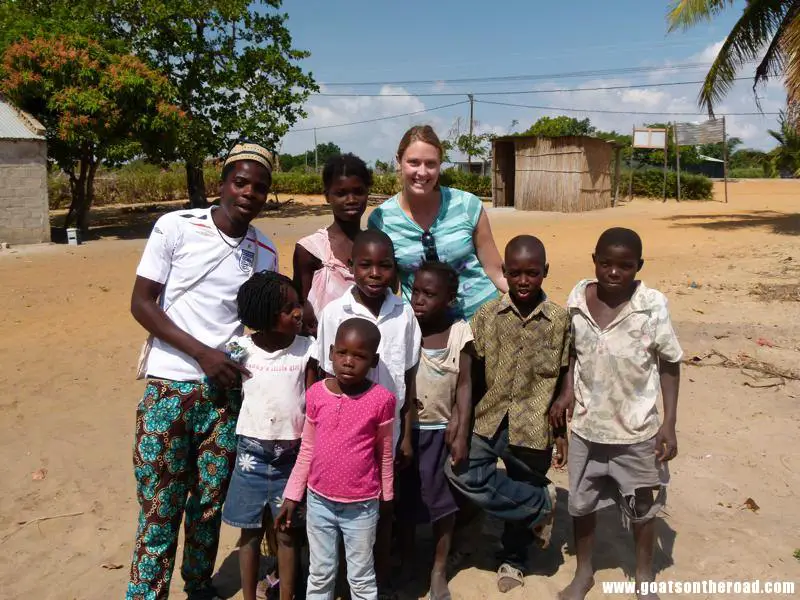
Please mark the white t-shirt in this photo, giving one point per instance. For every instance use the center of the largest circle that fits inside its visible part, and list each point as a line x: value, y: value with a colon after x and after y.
x: 398, y: 351
x: 274, y: 398
x: 183, y: 246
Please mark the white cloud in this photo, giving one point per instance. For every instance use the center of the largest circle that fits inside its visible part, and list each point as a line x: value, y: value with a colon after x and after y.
x: 378, y: 140
x: 708, y: 54
x: 372, y: 140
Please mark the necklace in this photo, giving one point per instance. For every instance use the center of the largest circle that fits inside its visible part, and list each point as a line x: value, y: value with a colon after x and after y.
x: 224, y: 239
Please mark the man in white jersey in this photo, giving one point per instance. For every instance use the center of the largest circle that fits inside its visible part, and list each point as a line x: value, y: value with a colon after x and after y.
x: 185, y: 297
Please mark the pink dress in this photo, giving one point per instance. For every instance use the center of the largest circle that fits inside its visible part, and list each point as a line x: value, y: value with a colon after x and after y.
x: 331, y: 280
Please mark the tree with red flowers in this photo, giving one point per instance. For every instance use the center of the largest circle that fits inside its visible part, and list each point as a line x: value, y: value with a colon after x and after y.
x: 97, y: 106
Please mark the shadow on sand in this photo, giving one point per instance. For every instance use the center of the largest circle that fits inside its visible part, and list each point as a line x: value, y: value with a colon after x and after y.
x: 780, y: 223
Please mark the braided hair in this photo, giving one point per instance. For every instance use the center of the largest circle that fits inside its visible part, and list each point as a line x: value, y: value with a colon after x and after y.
x: 261, y: 298
x: 444, y: 272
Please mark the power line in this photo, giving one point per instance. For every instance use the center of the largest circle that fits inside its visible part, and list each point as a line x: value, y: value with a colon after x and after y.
x: 567, y: 75
x: 623, y: 112
x: 386, y: 118
x: 514, y: 92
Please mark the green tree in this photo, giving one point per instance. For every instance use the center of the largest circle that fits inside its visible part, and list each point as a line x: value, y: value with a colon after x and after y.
x: 561, y: 126
x: 747, y: 159
x: 232, y: 63
x: 718, y: 150
x: 95, y: 105
x: 786, y: 157
x: 294, y: 162
x: 768, y: 31
x: 382, y: 167
x: 474, y: 145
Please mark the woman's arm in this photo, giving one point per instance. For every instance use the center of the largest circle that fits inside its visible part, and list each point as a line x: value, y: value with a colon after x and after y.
x: 487, y: 252
x: 304, y: 265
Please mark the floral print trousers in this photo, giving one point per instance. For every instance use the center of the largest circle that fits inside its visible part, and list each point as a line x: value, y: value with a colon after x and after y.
x: 183, y: 459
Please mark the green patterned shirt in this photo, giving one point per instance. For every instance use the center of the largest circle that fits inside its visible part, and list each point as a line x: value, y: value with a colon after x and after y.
x: 524, y: 358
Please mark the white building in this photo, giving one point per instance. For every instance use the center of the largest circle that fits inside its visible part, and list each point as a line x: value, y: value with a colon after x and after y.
x: 24, y: 210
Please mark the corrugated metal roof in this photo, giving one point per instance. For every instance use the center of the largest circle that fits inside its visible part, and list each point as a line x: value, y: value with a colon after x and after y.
x: 17, y: 125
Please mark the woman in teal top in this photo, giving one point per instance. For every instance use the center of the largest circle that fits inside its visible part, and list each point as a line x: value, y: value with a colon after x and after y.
x: 428, y: 222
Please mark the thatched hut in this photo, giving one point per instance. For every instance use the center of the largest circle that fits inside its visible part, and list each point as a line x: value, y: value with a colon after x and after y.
x: 563, y: 174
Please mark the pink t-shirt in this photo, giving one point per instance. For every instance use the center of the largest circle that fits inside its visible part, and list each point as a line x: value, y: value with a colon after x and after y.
x: 346, y: 449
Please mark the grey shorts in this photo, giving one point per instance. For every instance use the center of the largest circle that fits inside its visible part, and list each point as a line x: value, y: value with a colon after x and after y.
x: 628, y: 475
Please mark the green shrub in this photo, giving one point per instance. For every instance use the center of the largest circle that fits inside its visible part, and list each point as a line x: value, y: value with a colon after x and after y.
x: 58, y: 193
x: 140, y: 182
x: 469, y: 182
x: 387, y: 184
x: 296, y: 183
x: 650, y: 184
x: 747, y: 173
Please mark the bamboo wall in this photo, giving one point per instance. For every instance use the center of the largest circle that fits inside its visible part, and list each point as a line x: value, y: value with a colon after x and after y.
x: 566, y: 174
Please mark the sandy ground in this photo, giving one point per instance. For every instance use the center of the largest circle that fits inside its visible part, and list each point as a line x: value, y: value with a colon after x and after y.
x: 69, y: 347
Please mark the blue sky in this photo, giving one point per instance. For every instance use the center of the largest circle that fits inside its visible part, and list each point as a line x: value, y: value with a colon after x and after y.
x: 358, y: 41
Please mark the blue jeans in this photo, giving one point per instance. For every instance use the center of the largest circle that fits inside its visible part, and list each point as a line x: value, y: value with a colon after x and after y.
x: 356, y: 522
x: 259, y: 478
x: 517, y: 495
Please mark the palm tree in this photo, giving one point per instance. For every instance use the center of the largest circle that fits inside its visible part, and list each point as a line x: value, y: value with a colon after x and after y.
x: 768, y: 31
x: 786, y: 157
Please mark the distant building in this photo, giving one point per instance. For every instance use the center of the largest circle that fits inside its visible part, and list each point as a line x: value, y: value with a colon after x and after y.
x: 24, y: 210
x: 561, y: 174
x: 478, y: 167
x: 710, y: 167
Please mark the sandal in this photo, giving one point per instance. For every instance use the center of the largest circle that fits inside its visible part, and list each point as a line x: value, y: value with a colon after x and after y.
x: 509, y: 578
x: 543, y: 532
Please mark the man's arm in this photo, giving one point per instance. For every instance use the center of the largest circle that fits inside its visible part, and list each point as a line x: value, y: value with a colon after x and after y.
x: 149, y: 314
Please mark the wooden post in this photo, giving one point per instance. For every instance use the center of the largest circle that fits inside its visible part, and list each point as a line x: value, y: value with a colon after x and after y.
x: 725, y: 158
x: 666, y: 147
x: 617, y: 159
x: 316, y: 155
x: 469, y: 156
x: 630, y: 164
x: 677, y: 160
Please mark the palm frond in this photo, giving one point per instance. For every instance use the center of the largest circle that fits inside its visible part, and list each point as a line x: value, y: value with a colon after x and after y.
x: 756, y: 28
x: 683, y: 14
x: 791, y: 47
x: 774, y: 60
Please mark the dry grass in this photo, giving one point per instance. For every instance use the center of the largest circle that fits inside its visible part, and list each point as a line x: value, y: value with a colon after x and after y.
x: 783, y: 292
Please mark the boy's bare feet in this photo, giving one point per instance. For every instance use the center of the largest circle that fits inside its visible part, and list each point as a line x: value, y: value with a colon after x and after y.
x: 439, y: 589
x: 578, y: 587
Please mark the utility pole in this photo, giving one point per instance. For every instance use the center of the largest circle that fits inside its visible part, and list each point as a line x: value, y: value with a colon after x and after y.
x: 316, y: 154
x: 469, y: 147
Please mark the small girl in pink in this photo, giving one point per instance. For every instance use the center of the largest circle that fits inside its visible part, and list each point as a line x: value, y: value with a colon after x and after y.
x: 321, y: 272
x: 345, y: 460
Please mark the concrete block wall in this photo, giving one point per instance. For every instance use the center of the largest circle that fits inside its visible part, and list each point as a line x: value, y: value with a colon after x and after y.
x: 24, y: 210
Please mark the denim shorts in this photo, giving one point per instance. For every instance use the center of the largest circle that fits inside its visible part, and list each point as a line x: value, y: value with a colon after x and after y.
x: 259, y: 480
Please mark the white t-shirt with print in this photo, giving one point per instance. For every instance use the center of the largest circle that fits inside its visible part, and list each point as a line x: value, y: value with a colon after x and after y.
x: 183, y: 246
x: 274, y: 397
x: 398, y: 350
